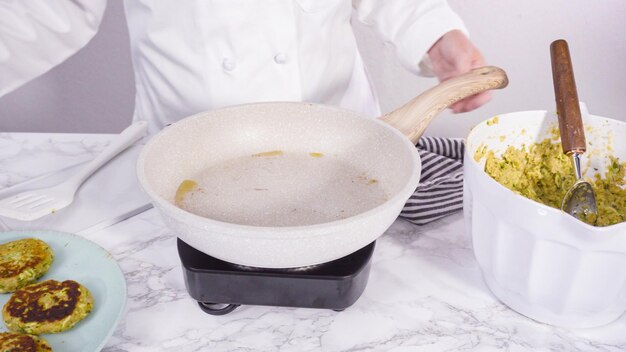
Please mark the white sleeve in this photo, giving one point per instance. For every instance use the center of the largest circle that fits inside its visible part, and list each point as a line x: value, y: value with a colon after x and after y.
x: 36, y: 35
x: 411, y: 26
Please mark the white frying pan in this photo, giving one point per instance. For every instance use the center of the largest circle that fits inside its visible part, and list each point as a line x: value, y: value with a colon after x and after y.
x: 293, y: 184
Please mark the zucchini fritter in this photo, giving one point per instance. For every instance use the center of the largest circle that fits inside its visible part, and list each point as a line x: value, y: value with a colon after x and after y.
x: 47, y: 307
x: 14, y: 342
x: 22, y: 262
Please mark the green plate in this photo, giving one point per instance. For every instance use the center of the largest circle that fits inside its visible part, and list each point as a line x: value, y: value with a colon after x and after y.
x: 78, y: 259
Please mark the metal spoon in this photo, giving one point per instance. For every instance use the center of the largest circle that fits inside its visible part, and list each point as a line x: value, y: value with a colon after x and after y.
x: 580, y: 200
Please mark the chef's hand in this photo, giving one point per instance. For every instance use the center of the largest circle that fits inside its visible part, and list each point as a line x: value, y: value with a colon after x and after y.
x: 452, y: 55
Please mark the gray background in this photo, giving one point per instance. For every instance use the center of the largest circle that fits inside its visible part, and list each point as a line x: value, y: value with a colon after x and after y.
x: 93, y: 91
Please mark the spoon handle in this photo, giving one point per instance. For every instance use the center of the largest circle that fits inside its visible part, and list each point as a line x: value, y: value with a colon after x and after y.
x: 567, y: 105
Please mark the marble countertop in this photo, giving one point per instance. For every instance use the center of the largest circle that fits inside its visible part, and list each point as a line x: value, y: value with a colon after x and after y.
x: 425, y: 290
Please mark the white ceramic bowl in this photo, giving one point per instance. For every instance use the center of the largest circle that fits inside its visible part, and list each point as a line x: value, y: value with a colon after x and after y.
x: 539, y: 261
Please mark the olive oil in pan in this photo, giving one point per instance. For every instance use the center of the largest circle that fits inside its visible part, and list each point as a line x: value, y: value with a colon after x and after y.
x: 277, y: 188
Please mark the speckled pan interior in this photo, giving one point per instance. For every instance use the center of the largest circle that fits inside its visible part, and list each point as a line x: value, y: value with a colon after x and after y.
x: 186, y: 148
x: 191, y: 145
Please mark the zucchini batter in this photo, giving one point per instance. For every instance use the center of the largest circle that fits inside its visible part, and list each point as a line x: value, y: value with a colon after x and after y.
x: 543, y: 173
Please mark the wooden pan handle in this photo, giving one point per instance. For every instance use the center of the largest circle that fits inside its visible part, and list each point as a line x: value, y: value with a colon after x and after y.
x: 413, y: 117
x: 567, y: 105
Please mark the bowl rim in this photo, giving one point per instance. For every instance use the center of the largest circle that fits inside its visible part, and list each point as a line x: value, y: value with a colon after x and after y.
x: 591, y: 230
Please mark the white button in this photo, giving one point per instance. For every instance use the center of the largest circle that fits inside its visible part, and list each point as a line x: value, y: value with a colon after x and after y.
x: 228, y: 64
x: 280, y: 58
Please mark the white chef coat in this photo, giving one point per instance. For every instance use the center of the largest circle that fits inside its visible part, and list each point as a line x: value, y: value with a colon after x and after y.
x: 198, y: 55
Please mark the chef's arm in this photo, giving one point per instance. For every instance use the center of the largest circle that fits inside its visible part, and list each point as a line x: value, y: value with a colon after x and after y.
x: 411, y: 26
x: 429, y: 39
x: 36, y: 35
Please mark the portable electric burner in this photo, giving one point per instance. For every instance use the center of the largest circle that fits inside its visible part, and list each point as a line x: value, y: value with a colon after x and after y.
x: 220, y: 287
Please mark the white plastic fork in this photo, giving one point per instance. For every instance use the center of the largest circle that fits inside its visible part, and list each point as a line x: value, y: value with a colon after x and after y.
x: 31, y: 205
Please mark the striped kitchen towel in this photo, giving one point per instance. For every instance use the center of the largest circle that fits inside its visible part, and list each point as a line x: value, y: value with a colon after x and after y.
x: 440, y: 191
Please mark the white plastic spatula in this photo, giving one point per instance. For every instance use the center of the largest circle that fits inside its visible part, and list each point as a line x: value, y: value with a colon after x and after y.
x: 34, y: 204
